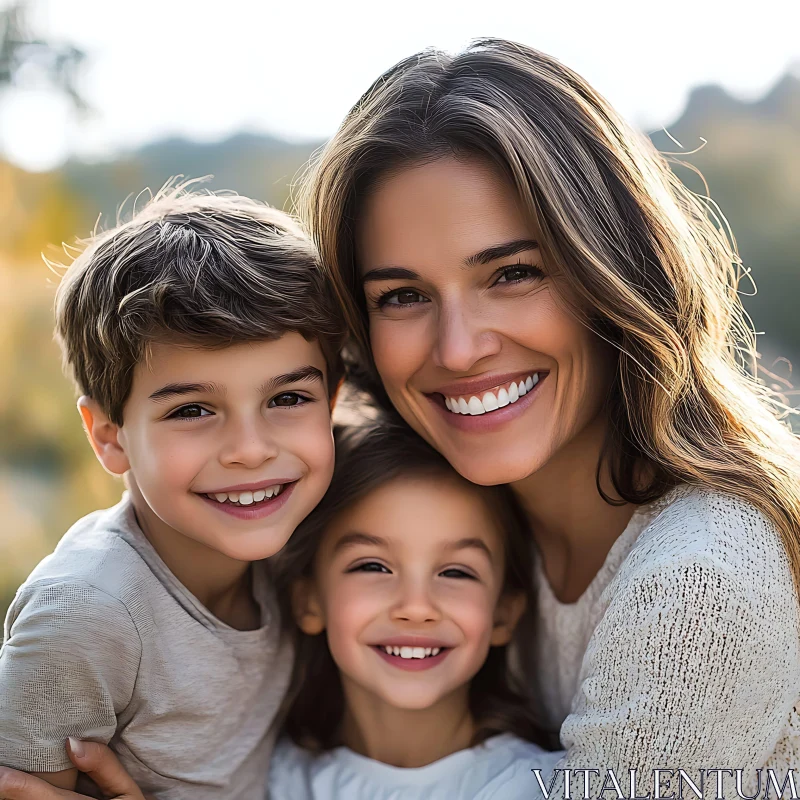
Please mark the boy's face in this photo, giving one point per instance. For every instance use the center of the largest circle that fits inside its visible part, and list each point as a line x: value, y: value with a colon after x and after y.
x: 416, y: 567
x: 229, y: 447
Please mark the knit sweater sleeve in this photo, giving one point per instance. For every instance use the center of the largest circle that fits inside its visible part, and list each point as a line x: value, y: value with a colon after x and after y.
x: 695, y: 662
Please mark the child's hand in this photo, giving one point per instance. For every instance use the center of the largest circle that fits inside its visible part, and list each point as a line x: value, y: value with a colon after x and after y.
x: 96, y: 760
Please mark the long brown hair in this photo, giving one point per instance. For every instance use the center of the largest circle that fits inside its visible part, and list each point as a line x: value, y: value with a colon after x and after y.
x: 367, y: 458
x: 646, y: 263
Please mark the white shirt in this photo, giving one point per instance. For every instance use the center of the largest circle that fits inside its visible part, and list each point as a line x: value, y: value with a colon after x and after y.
x: 498, y: 768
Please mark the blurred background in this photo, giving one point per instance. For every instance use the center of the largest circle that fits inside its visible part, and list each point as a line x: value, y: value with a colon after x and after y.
x: 99, y: 100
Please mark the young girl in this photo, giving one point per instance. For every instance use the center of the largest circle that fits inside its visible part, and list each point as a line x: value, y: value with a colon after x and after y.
x: 406, y: 585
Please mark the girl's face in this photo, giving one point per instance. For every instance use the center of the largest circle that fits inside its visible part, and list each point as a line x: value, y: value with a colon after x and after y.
x: 475, y: 347
x: 408, y: 586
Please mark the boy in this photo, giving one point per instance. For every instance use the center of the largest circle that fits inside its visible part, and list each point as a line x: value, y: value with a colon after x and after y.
x: 205, y: 349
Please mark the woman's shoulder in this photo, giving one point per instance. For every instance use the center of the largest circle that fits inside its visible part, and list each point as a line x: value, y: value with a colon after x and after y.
x: 722, y: 533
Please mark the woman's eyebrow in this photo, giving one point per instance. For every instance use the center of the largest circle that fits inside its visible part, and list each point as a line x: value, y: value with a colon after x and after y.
x: 179, y: 389
x: 501, y: 251
x: 389, y: 274
x: 306, y: 373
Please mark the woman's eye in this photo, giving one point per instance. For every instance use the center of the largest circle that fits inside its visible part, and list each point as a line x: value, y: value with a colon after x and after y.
x: 287, y: 399
x: 517, y: 274
x: 370, y: 566
x: 401, y: 297
x: 190, y: 412
x: 453, y: 572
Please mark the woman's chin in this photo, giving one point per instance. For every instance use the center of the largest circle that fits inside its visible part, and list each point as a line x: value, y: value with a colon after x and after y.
x: 491, y: 469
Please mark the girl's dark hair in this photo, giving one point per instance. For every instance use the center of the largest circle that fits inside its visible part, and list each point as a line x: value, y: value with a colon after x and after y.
x: 367, y: 458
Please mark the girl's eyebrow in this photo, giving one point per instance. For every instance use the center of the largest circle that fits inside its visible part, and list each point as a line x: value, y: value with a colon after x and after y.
x: 471, y: 543
x: 355, y: 538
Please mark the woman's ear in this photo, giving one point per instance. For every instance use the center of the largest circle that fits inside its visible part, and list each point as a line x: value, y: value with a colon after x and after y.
x: 104, y: 437
x: 306, y: 607
x: 506, y: 616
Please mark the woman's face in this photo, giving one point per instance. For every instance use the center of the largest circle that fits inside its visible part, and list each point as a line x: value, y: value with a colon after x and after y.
x: 473, y: 342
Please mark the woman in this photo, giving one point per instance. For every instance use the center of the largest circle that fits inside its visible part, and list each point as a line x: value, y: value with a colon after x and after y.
x: 539, y: 298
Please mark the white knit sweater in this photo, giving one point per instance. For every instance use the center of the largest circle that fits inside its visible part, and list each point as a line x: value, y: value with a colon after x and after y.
x: 684, y: 651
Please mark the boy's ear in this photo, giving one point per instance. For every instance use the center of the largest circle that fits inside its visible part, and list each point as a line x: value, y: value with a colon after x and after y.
x: 335, y: 393
x: 104, y: 437
x: 306, y: 607
x: 506, y: 616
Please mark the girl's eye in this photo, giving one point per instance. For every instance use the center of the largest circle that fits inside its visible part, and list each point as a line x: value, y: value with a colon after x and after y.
x: 370, y: 566
x: 518, y: 273
x: 454, y: 572
x: 192, y: 411
x: 401, y: 297
x: 288, y: 399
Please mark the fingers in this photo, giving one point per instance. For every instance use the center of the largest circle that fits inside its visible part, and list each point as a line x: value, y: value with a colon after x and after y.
x: 20, y: 786
x: 103, y: 767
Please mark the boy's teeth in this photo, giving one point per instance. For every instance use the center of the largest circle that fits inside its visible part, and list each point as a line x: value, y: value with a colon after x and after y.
x: 247, y: 498
x: 491, y: 401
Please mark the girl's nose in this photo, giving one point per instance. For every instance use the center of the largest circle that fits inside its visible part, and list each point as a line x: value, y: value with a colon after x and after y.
x: 463, y: 338
x: 415, y: 604
x: 248, y: 444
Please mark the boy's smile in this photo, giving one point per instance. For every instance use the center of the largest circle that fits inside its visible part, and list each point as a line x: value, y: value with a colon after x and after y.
x: 227, y: 448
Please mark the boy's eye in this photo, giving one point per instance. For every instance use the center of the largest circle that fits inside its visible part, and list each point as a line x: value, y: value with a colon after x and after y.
x: 370, y: 566
x: 454, y: 572
x: 190, y: 412
x: 287, y: 399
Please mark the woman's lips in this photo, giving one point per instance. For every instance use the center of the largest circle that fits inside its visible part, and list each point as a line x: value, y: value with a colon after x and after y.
x: 412, y: 664
x: 490, y: 420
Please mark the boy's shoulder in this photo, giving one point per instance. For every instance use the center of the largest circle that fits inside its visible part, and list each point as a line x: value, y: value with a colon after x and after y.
x: 98, y: 551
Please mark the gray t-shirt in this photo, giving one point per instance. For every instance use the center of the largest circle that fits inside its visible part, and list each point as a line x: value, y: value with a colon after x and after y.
x: 102, y: 642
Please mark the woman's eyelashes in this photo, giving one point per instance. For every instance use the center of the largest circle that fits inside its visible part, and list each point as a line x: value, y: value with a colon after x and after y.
x: 518, y: 273
x: 400, y: 298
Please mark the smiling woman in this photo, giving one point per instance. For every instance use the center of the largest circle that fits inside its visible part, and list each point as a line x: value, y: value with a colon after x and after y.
x: 528, y: 284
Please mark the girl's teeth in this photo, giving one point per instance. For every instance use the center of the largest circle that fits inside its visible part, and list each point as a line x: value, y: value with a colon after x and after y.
x: 411, y: 652
x: 491, y: 401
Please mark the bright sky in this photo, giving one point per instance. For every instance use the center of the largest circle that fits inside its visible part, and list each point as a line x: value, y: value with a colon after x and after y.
x: 207, y: 68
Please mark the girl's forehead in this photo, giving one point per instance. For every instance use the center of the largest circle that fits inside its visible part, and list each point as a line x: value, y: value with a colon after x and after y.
x: 416, y: 515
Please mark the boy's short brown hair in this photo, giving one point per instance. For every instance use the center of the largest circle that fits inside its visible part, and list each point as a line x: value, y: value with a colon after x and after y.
x: 207, y: 270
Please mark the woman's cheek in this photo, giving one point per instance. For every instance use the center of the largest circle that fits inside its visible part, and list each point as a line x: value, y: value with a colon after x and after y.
x: 399, y: 351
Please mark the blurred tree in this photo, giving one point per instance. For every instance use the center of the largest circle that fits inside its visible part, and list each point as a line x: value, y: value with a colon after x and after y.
x: 29, y: 61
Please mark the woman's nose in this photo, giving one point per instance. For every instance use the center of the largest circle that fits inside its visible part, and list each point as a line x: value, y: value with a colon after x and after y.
x: 248, y: 444
x: 463, y: 338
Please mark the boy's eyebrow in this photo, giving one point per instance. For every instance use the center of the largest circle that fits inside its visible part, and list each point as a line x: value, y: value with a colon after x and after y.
x: 355, y: 538
x: 179, y: 389
x: 306, y: 373
x: 471, y: 543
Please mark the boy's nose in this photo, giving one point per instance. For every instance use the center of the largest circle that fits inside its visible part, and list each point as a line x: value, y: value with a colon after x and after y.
x: 248, y: 445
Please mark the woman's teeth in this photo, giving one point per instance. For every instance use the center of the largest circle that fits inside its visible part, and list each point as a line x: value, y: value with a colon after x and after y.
x: 411, y: 652
x: 247, y: 498
x: 491, y: 401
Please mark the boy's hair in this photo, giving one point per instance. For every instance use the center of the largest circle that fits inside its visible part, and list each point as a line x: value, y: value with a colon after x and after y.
x: 368, y: 457
x: 202, y: 269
